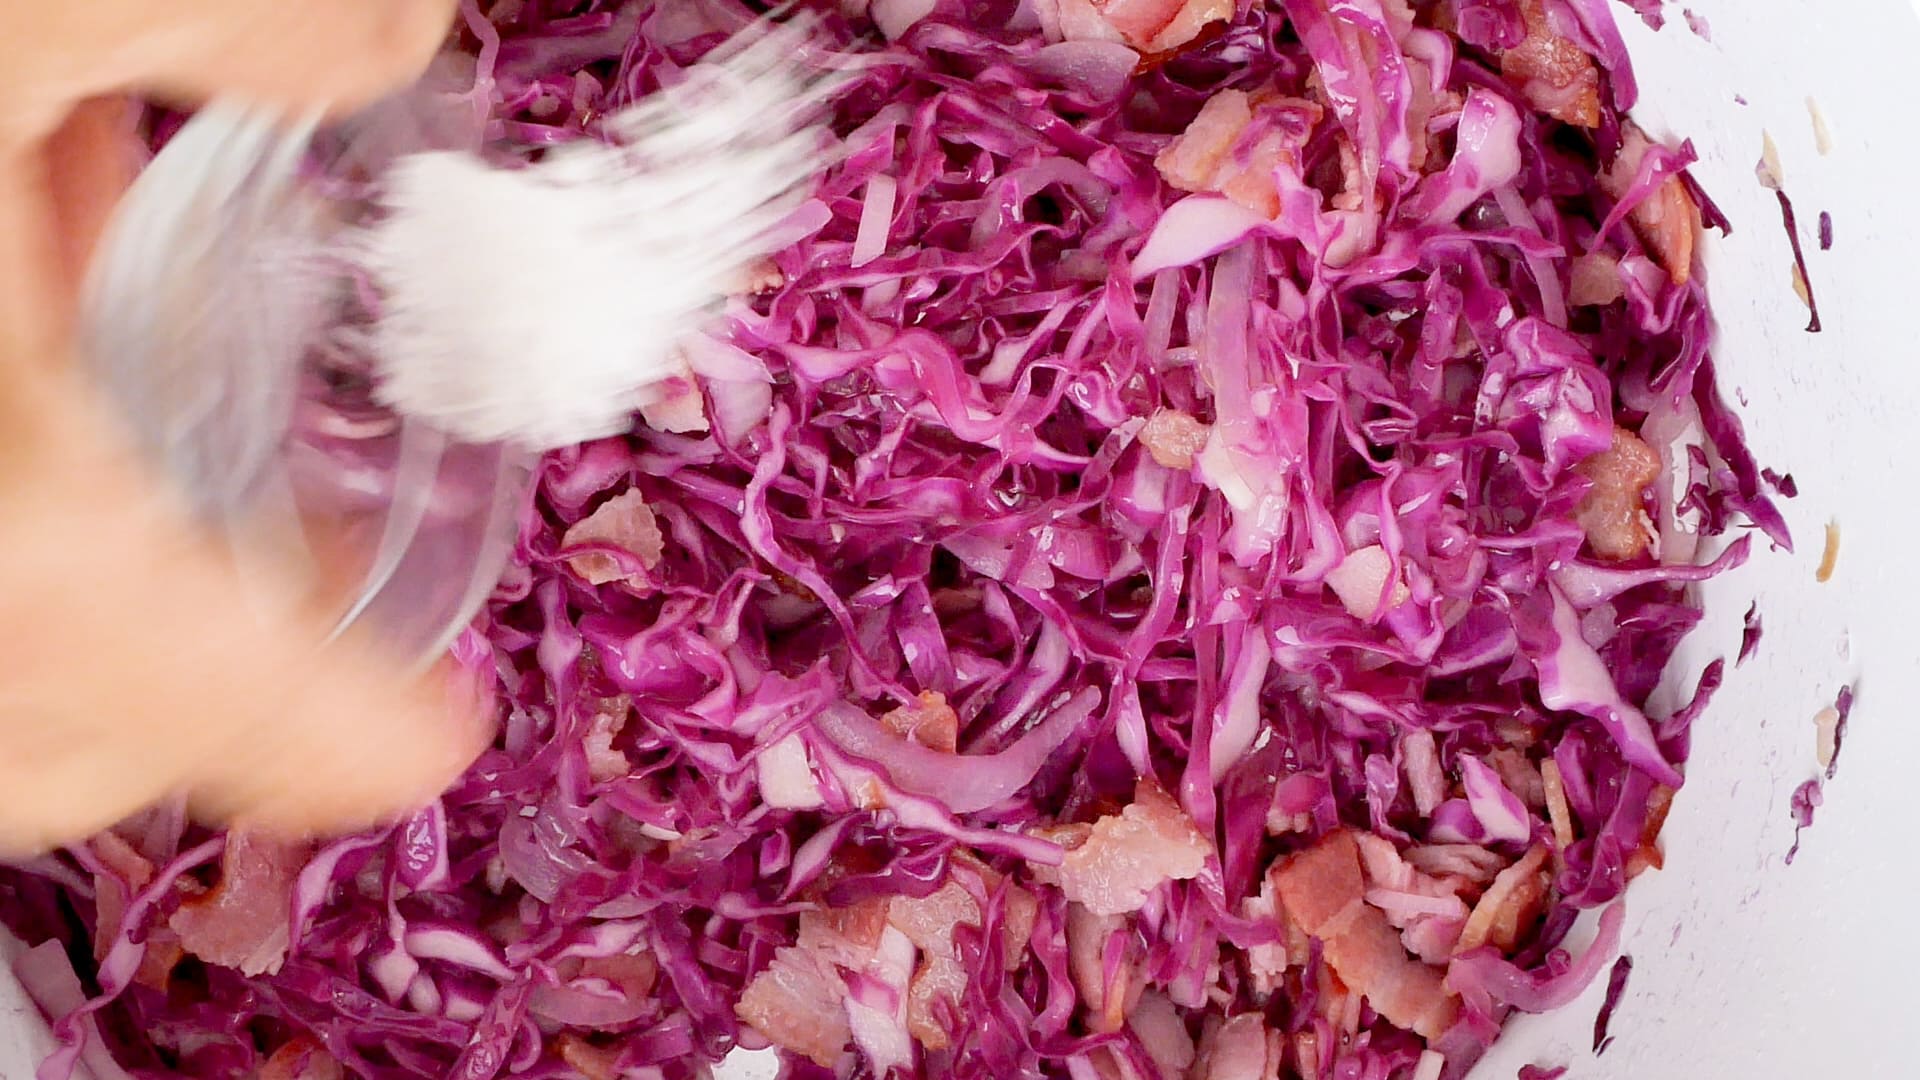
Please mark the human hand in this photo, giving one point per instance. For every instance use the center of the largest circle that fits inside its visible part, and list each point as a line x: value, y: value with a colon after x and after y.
x: 133, y: 667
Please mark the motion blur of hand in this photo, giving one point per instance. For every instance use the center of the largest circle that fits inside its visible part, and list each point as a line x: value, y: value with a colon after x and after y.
x: 130, y: 667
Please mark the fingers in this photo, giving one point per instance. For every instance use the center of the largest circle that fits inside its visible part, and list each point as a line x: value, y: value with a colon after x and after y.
x: 32, y: 305
x: 333, y: 54
x: 137, y: 667
x: 355, y: 745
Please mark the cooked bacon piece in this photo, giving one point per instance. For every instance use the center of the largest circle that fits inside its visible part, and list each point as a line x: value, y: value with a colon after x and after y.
x: 1151, y: 26
x: 929, y: 921
x: 1553, y: 74
x: 1667, y: 220
x: 798, y: 1004
x: 1173, y: 438
x: 1424, y: 776
x: 112, y: 894
x: 1361, y: 578
x: 757, y: 278
x: 927, y: 720
x: 846, y: 935
x: 1519, y: 774
x: 1266, y: 963
x: 1109, y: 997
x: 1306, y: 1055
x: 1594, y: 280
x: 1427, y: 910
x: 1240, y: 1049
x: 591, y: 1061
x: 623, y: 521
x: 633, y: 972
x: 1323, y: 889
x: 605, y: 763
x: 1466, y: 866
x: 1613, y: 514
x: 1195, y: 158
x: 938, y: 978
x: 1129, y: 854
x: 242, y: 922
x: 1214, y: 154
x: 1156, y: 1022
x: 1558, y: 813
x: 1648, y: 856
x: 301, y: 1058
x: 1511, y: 904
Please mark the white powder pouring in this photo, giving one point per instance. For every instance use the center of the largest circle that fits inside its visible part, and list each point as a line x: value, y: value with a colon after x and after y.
x: 538, y: 304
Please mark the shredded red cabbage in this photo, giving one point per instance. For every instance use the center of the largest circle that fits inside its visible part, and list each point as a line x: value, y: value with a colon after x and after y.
x: 1616, y: 986
x: 1162, y: 575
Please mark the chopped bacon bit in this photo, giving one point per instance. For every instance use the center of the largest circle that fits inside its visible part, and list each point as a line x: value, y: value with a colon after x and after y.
x: 605, y: 763
x: 938, y: 977
x: 1193, y: 160
x: 929, y: 921
x: 1266, y: 963
x: 1511, y: 905
x: 1322, y: 886
x: 1421, y: 109
x: 1594, y: 280
x: 1469, y: 863
x: 1252, y: 185
x: 241, y: 922
x: 301, y: 1058
x: 1553, y: 74
x: 1161, y: 25
x: 1424, y: 776
x: 1173, y: 438
x: 927, y: 720
x: 1385, y: 869
x: 623, y: 521
x: 1427, y: 910
x: 1212, y: 154
x: 1648, y: 854
x: 112, y: 894
x: 1339, y: 1004
x: 1829, y: 555
x: 1613, y: 514
x: 590, y: 1061
x: 634, y: 972
x: 676, y: 404
x: 1074, y: 20
x: 845, y: 935
x: 1237, y: 1050
x: 1323, y: 889
x: 1156, y: 1022
x: 1108, y: 999
x: 1667, y: 220
x: 1306, y: 1055
x: 1432, y: 938
x: 1519, y: 774
x: 1558, y: 813
x: 796, y: 1004
x: 1128, y: 855
x: 757, y: 278
x: 1361, y: 578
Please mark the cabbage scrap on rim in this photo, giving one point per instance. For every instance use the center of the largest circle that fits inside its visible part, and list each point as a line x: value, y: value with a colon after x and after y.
x: 1160, y: 576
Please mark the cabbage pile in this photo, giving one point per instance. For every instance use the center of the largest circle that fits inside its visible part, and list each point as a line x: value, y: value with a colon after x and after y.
x: 1161, y: 576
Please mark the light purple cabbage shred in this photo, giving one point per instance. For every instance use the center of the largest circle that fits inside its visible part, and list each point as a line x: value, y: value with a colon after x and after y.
x: 925, y: 475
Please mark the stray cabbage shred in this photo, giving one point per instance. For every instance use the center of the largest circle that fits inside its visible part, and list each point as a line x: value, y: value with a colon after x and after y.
x: 1161, y: 575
